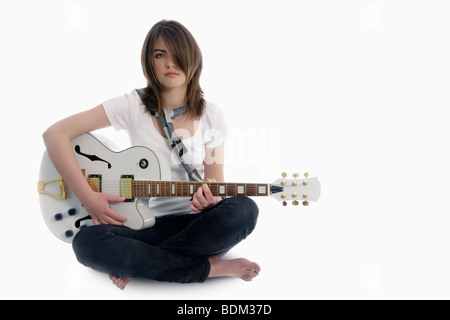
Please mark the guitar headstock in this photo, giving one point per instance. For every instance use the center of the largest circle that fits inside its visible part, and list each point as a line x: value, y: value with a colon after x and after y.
x: 299, y: 190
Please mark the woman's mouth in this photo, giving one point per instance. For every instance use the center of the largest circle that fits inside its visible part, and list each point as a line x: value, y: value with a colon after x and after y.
x: 172, y: 74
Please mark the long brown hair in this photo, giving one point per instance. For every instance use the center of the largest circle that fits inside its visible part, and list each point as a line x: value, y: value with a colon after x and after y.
x: 187, y: 56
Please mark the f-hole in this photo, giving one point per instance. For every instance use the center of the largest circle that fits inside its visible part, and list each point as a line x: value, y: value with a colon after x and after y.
x: 78, y: 222
x: 91, y: 157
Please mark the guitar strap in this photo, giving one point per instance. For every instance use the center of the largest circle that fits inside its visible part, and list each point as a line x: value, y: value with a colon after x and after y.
x: 175, y: 142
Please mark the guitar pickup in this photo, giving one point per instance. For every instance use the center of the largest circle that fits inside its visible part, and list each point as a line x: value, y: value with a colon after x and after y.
x: 95, y: 182
x: 126, y: 187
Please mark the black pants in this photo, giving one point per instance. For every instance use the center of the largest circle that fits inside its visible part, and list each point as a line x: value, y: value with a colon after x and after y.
x: 175, y: 249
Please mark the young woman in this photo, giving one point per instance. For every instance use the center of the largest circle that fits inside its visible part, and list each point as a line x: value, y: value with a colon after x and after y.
x: 190, y: 235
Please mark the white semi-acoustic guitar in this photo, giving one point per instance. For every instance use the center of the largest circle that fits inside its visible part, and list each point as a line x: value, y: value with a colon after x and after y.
x: 139, y: 173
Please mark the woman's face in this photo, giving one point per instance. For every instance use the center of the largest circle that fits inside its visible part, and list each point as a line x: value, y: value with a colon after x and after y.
x: 167, y: 73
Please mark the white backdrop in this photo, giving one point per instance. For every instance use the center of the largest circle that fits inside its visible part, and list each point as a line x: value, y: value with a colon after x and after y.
x: 353, y: 91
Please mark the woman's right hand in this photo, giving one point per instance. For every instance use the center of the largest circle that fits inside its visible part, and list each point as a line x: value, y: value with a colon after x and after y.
x: 97, y: 205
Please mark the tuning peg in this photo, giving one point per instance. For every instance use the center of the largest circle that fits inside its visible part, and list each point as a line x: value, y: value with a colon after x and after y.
x: 284, y: 174
x: 295, y: 203
x: 284, y: 203
x: 305, y: 203
x: 295, y: 175
x: 306, y: 174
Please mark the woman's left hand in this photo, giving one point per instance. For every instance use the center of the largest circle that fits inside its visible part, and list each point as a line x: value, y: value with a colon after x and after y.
x: 203, y: 198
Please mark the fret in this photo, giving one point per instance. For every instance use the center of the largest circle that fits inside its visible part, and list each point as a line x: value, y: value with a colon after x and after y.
x: 180, y: 189
x: 250, y: 189
x: 166, y: 188
x: 185, y: 189
x: 213, y: 188
x: 231, y: 189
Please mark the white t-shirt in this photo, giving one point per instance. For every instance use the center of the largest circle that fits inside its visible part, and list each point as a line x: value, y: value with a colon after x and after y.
x: 127, y: 112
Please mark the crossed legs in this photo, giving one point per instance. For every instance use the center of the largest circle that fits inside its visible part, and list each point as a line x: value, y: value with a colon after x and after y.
x: 177, y: 249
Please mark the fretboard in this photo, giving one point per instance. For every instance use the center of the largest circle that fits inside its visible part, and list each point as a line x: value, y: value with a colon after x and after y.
x: 188, y: 188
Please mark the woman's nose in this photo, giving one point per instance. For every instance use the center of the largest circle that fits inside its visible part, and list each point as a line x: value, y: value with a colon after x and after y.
x: 170, y: 63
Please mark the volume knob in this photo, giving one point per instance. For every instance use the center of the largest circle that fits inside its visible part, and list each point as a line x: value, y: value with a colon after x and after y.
x: 68, y: 234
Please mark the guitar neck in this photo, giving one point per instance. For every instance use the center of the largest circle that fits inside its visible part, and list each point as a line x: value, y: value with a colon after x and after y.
x: 188, y: 188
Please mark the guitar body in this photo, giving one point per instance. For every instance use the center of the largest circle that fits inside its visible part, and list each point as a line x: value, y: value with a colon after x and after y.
x: 105, y: 170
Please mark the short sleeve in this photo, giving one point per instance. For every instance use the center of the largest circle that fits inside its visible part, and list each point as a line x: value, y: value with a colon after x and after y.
x: 120, y: 110
x: 216, y: 132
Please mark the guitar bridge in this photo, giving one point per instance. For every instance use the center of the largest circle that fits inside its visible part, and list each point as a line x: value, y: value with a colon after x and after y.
x: 126, y: 187
x: 60, y: 186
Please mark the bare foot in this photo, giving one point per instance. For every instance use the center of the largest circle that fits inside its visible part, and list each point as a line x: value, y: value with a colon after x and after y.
x: 238, y: 268
x: 120, y: 282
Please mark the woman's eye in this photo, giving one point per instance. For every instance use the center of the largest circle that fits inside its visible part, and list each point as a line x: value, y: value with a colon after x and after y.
x: 159, y: 55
